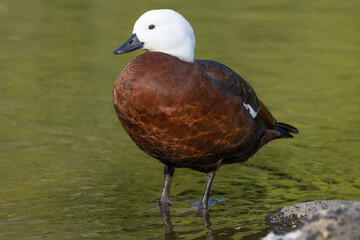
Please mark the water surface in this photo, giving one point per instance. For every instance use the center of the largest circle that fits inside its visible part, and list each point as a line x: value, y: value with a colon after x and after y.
x: 69, y: 171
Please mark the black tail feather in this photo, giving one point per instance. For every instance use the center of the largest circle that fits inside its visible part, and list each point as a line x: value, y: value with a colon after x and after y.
x: 285, y: 130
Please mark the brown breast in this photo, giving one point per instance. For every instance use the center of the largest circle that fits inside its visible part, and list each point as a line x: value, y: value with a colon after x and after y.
x: 172, y: 111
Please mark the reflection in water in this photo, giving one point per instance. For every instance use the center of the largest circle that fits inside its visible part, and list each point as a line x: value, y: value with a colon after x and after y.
x: 221, y: 233
x: 212, y: 202
x: 206, y: 219
x: 170, y: 233
x: 165, y: 211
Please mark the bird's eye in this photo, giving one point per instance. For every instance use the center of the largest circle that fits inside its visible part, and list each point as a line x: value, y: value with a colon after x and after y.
x: 151, y: 27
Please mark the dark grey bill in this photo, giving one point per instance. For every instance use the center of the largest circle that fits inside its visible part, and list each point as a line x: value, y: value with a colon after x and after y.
x: 131, y: 44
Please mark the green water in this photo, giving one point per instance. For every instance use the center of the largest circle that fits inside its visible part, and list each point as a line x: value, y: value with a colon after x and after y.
x: 69, y: 171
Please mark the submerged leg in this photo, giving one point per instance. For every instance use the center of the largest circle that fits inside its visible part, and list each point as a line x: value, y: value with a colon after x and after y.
x: 165, y: 196
x: 210, y: 177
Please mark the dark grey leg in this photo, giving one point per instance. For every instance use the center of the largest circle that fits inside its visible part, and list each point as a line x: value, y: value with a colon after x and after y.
x: 210, y: 177
x: 165, y: 196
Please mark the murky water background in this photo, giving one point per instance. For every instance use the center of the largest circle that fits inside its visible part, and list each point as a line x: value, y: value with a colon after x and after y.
x: 69, y: 171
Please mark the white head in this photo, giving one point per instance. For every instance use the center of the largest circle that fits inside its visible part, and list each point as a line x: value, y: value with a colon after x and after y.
x: 165, y: 31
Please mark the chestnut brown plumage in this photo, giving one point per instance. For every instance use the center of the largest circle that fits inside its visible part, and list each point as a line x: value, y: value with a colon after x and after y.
x: 190, y: 114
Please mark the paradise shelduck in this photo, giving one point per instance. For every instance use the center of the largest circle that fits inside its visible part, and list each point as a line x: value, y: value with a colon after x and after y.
x: 187, y: 113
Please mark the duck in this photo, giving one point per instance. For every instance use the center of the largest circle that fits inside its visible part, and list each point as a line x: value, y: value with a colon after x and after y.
x: 184, y: 112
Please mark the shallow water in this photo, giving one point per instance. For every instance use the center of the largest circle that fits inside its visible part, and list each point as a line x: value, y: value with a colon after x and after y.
x: 69, y: 171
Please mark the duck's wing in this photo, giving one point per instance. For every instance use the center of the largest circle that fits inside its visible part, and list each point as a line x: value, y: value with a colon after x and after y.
x: 228, y: 81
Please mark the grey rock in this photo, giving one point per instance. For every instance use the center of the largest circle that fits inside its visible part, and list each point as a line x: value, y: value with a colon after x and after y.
x: 318, y: 220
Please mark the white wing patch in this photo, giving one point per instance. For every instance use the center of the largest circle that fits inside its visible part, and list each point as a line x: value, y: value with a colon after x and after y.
x: 251, y: 110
